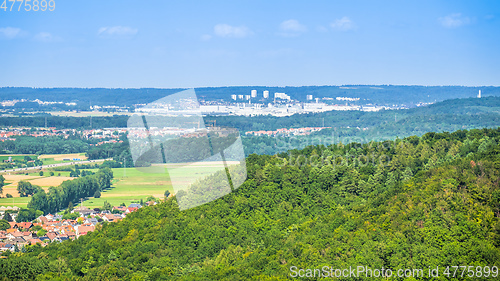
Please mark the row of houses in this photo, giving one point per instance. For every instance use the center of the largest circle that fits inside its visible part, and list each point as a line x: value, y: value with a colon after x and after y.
x: 288, y: 132
x: 23, y: 234
x: 12, y: 132
x: 106, y: 142
x: 52, y: 228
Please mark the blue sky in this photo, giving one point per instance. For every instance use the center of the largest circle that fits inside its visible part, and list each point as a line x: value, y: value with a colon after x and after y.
x: 167, y: 44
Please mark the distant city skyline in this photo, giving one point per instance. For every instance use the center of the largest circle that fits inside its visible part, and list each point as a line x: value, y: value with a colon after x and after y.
x: 164, y: 44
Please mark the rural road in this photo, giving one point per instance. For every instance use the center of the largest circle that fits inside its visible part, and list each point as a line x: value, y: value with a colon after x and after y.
x: 53, y: 165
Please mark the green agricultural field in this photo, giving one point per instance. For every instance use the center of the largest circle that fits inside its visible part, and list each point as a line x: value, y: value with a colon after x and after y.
x: 130, y: 185
x: 16, y: 156
x: 56, y: 173
x: 21, y: 202
x: 50, y: 161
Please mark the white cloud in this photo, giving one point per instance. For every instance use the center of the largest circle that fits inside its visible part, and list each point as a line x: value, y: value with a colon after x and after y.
x: 9, y: 32
x: 291, y: 28
x: 454, y: 20
x: 343, y: 24
x: 292, y: 25
x: 226, y: 30
x: 206, y: 37
x: 117, y: 31
x: 46, y: 37
x: 321, y: 28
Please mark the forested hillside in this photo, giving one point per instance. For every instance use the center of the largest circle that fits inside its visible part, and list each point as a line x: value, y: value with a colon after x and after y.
x: 61, y: 122
x: 417, y: 202
x: 358, y: 126
x: 472, y: 108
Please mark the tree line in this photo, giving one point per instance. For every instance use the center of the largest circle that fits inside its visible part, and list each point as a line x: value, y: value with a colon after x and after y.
x: 60, y: 197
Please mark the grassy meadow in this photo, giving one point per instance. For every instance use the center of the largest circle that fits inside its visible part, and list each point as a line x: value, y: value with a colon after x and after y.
x: 130, y: 185
x: 16, y: 156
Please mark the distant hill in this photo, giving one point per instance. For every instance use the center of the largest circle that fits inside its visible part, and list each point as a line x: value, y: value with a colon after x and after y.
x: 488, y: 106
x: 375, y: 94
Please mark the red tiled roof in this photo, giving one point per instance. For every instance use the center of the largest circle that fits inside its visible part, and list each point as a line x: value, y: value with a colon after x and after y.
x: 85, y: 228
x: 51, y: 235
x: 34, y: 241
x: 25, y: 225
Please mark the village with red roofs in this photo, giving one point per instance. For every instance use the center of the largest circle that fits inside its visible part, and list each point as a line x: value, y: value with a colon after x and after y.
x: 54, y: 229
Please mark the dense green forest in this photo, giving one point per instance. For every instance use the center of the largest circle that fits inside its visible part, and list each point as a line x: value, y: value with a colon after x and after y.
x: 43, y: 145
x: 416, y: 202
